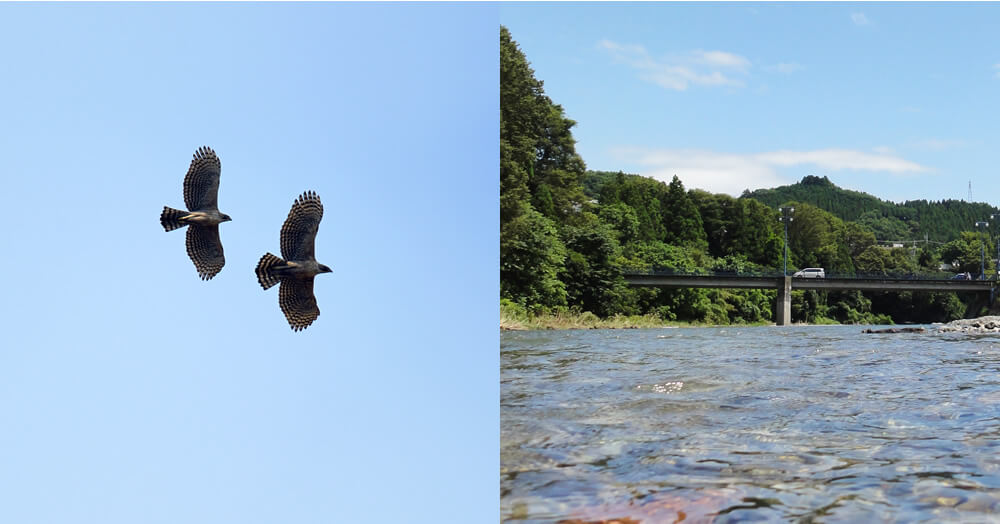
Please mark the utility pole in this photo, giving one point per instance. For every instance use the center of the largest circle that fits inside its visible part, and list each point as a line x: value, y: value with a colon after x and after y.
x: 786, y: 217
x: 997, y: 276
x: 982, y: 251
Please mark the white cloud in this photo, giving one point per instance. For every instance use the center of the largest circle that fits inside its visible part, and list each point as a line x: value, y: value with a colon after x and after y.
x: 996, y: 67
x: 680, y: 71
x: 721, y: 59
x: 860, y: 19
x: 731, y: 173
x: 836, y: 159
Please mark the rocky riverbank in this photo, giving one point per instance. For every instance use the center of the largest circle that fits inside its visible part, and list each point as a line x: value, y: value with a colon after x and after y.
x: 989, y: 324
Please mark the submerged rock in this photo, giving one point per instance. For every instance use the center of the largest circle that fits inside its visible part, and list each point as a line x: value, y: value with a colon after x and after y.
x: 624, y: 520
x: 701, y: 505
x: 896, y: 330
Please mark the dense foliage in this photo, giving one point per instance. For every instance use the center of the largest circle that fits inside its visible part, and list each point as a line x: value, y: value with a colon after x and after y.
x: 918, y: 220
x: 567, y: 234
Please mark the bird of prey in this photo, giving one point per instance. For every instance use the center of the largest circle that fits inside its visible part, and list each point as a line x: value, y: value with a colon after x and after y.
x: 299, y: 267
x: 201, y: 196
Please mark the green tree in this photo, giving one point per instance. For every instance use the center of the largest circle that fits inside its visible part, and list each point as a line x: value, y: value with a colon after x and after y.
x: 886, y: 261
x: 968, y: 251
x: 520, y: 111
x: 754, y: 231
x: 668, y: 304
x: 660, y: 255
x: 871, y: 261
x: 531, y: 257
x: 857, y: 238
x: 716, y: 212
x: 623, y: 219
x: 538, y: 158
x: 810, y: 306
x: 645, y: 196
x: 817, y: 239
x: 851, y: 307
x: 540, y: 183
x: 885, y: 227
x: 928, y: 258
x: 592, y: 273
x: 683, y: 221
x: 905, y: 306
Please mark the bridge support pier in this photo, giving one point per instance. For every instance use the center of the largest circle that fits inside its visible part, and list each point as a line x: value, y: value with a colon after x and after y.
x: 783, y: 307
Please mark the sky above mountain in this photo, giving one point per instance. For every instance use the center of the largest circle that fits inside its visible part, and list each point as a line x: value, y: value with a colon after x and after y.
x: 897, y: 100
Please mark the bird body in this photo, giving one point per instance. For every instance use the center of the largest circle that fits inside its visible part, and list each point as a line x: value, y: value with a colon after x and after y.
x: 175, y: 218
x: 297, y: 270
x: 201, y: 195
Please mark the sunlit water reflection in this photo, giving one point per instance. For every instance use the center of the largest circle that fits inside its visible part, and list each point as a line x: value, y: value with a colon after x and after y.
x: 767, y: 423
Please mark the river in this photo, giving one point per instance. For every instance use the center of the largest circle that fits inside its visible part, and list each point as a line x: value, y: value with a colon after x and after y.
x: 813, y: 423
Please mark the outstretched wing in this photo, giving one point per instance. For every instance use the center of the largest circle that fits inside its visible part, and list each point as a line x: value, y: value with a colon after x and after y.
x: 298, y: 303
x: 205, y: 249
x: 298, y: 234
x: 201, y: 184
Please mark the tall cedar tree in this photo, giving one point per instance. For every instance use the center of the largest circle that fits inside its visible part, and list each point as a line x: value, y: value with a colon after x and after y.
x: 538, y: 159
x: 540, y: 183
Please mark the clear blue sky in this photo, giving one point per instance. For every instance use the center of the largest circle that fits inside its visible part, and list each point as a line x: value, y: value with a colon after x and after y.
x: 899, y: 100
x: 130, y: 390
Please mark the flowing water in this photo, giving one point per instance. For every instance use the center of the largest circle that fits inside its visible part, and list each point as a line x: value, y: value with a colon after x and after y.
x: 820, y: 423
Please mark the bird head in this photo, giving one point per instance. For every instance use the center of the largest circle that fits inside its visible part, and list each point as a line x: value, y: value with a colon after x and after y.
x: 226, y: 218
x: 325, y: 269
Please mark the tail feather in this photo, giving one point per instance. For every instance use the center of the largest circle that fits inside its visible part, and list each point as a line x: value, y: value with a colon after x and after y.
x: 170, y: 218
x: 266, y: 274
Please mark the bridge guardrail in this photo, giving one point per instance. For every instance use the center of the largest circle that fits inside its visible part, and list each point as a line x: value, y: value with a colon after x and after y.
x: 778, y: 274
x: 705, y: 273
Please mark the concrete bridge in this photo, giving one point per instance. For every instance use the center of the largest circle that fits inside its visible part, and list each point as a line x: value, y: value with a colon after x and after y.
x: 785, y: 285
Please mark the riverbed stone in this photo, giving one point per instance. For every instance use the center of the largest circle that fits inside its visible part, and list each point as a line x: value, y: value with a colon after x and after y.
x: 896, y: 330
x: 981, y: 325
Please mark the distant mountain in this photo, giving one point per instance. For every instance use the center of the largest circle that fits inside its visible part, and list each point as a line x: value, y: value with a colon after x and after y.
x: 820, y: 192
x: 939, y: 221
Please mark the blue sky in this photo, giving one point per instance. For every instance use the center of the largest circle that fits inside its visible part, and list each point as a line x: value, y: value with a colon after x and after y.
x: 130, y: 390
x: 895, y: 99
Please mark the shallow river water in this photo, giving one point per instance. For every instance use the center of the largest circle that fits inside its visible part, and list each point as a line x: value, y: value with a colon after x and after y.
x: 821, y: 423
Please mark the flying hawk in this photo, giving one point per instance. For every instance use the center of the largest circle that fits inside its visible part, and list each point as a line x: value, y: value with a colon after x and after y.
x: 201, y: 196
x: 297, y: 270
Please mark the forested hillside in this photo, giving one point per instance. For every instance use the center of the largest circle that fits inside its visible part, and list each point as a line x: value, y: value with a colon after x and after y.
x: 940, y: 221
x: 567, y: 234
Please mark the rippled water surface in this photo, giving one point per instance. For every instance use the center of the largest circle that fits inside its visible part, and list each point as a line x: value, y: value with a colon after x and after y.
x: 817, y: 423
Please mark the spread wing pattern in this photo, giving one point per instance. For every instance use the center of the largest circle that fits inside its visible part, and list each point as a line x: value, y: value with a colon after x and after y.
x: 205, y: 249
x: 298, y: 303
x: 298, y: 234
x: 201, y: 184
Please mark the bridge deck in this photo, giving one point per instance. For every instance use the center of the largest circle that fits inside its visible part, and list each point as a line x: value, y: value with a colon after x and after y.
x: 764, y: 282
